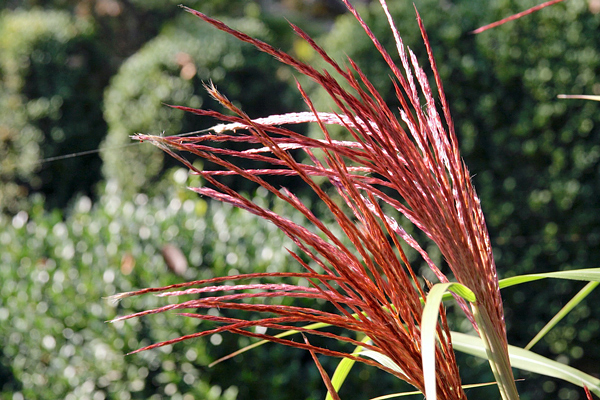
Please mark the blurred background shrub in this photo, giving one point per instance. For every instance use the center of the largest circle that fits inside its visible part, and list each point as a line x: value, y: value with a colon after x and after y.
x: 57, y: 270
x: 172, y: 69
x: 52, y: 76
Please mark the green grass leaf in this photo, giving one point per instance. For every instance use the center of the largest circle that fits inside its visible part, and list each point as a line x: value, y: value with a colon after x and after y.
x: 528, y: 361
x: 317, y: 325
x: 415, y: 392
x: 343, y: 369
x: 590, y: 274
x: 429, y: 322
x: 579, y: 96
x: 578, y: 298
x: 383, y: 360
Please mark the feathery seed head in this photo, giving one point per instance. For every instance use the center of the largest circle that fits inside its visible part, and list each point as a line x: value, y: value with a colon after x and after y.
x: 370, y: 282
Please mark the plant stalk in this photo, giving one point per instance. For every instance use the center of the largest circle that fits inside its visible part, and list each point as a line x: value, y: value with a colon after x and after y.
x: 497, y: 353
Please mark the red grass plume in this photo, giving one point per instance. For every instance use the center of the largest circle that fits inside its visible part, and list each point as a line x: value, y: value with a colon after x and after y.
x: 516, y: 16
x: 409, y: 161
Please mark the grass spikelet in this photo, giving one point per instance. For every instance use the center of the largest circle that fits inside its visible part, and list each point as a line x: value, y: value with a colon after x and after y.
x: 411, y: 164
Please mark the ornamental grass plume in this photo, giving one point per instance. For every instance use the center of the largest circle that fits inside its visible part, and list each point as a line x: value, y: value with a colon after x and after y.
x: 408, y: 160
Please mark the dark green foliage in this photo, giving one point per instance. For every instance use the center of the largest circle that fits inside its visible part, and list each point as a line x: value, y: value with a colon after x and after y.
x: 52, y: 76
x: 534, y: 158
x: 232, y: 8
x: 544, y: 207
x: 171, y: 69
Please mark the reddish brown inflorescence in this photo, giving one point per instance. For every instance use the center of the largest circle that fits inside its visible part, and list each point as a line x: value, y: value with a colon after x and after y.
x: 410, y: 162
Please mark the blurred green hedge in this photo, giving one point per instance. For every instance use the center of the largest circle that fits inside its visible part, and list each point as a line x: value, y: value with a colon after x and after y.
x: 55, y: 66
x: 172, y: 69
x: 51, y: 79
x: 56, y: 272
